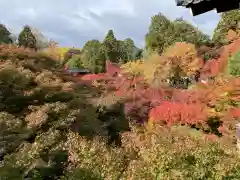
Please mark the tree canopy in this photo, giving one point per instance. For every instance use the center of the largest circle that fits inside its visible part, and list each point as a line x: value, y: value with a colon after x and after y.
x: 27, y: 39
x: 164, y: 33
x: 5, y: 35
x: 229, y: 21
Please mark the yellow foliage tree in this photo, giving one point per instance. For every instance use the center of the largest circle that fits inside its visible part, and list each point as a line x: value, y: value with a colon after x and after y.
x: 133, y: 67
x: 178, y: 60
x: 153, y: 68
x: 156, y: 69
x: 184, y: 56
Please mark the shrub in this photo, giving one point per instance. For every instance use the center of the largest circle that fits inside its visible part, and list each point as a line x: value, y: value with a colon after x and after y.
x: 12, y: 77
x: 172, y: 113
x: 94, y: 157
x: 208, y: 53
x: 175, y: 153
x: 234, y: 64
x: 12, y: 133
x: 48, y: 78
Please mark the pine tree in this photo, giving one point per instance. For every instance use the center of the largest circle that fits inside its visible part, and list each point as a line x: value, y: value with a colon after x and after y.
x: 127, y: 51
x: 93, y: 56
x: 111, y: 47
x: 26, y: 38
x: 160, y: 33
x: 129, y: 44
x: 164, y: 33
x: 89, y: 52
x: 5, y: 35
x: 100, y: 61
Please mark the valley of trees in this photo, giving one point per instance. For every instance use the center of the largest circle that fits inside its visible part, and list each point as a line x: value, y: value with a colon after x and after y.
x: 166, y: 111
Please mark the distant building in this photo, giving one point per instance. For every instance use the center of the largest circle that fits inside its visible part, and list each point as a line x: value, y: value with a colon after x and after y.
x: 77, y: 71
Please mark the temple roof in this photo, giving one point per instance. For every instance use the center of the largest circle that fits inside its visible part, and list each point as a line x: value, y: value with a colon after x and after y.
x: 186, y: 3
x: 201, y: 6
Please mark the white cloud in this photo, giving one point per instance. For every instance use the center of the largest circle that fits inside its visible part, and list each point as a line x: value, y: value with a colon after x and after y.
x: 27, y: 12
x: 74, y: 22
x: 123, y: 7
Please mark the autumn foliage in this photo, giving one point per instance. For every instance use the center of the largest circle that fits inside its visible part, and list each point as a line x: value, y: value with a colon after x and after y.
x: 212, y: 107
x: 184, y: 55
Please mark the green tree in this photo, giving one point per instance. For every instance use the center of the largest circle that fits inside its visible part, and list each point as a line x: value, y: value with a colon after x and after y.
x: 68, y: 55
x: 27, y: 39
x: 5, y: 35
x: 138, y: 53
x: 185, y: 32
x: 130, y: 48
x: 100, y: 61
x: 89, y: 51
x: 111, y: 47
x: 160, y: 33
x: 75, y: 62
x: 127, y: 50
x: 93, y: 56
x: 229, y: 20
x: 234, y: 65
x: 164, y: 33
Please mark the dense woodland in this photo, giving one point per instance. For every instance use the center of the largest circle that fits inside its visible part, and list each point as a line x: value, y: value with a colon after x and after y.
x: 167, y: 111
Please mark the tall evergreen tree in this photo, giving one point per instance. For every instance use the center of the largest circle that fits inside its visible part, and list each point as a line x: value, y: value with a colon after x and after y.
x: 27, y: 39
x: 5, y: 35
x: 93, y: 56
x: 163, y: 33
x: 160, y: 33
x: 128, y: 51
x: 130, y: 47
x: 100, y: 61
x: 111, y: 47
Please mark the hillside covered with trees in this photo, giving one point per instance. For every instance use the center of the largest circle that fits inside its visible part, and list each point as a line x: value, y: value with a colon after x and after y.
x: 167, y: 111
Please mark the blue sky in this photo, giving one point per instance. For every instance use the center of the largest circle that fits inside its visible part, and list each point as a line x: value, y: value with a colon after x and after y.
x: 72, y: 23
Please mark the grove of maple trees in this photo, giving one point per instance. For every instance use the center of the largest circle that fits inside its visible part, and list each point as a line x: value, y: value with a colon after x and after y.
x: 212, y: 106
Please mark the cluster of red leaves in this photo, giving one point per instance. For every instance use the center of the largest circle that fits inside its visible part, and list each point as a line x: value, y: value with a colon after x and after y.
x: 211, y: 68
x: 92, y: 77
x: 112, y: 68
x: 235, y: 112
x: 173, y: 113
x: 215, y: 66
x: 195, y: 107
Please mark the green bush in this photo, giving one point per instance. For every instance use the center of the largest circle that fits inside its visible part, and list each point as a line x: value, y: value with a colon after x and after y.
x: 234, y: 65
